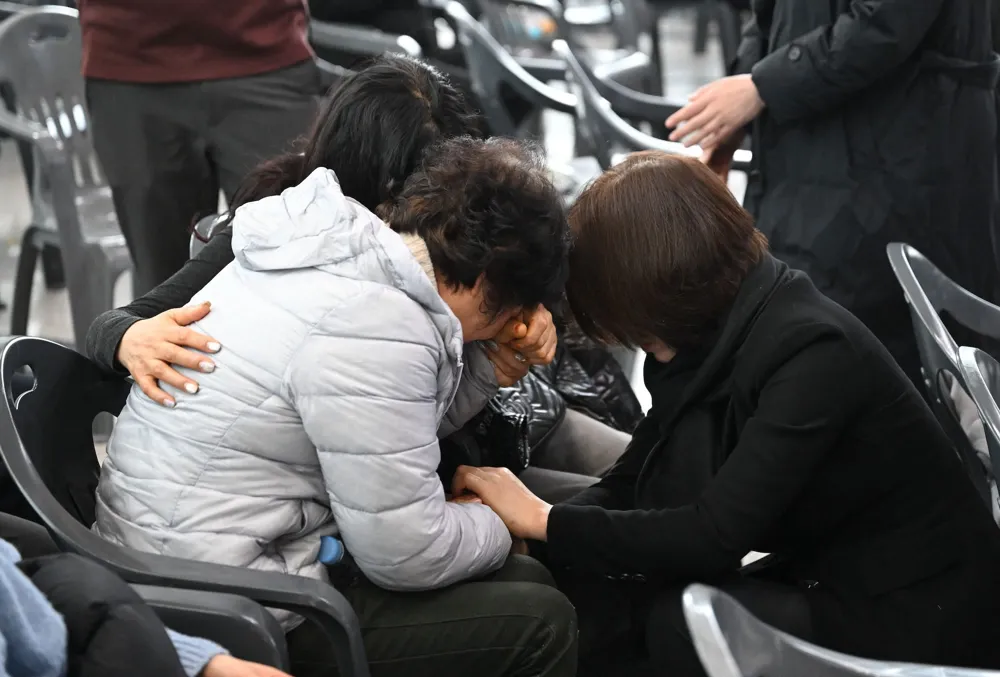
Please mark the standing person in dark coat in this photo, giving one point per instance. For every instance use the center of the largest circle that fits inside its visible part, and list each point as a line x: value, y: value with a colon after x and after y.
x: 779, y: 424
x: 873, y: 121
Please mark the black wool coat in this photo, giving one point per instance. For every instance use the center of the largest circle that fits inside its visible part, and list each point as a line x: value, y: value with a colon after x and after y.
x: 880, y: 125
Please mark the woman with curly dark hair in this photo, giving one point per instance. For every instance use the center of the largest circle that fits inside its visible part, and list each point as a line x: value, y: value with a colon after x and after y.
x: 352, y: 341
x: 779, y: 424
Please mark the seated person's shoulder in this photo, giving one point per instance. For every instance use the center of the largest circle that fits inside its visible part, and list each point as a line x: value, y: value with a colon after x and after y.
x: 805, y: 335
x: 380, y: 313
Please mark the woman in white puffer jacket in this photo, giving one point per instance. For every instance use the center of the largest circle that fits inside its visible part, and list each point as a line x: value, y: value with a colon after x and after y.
x: 350, y: 346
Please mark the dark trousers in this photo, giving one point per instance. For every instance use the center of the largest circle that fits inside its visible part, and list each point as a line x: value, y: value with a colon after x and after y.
x: 514, y: 623
x: 639, y: 629
x: 166, y: 149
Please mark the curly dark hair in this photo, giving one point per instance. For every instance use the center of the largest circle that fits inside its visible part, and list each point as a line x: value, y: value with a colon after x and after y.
x: 488, y: 208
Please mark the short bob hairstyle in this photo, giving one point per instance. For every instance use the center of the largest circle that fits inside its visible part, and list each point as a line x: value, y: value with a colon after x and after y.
x: 661, y: 249
x: 487, y: 209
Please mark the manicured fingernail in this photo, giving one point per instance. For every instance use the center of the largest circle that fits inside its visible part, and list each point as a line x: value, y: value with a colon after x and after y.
x: 169, y: 403
x: 214, y: 347
x: 520, y: 358
x: 191, y: 388
x: 206, y: 367
x: 492, y: 345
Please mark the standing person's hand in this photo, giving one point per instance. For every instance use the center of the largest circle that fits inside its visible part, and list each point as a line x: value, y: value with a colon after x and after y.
x: 525, y: 515
x: 150, y: 349
x: 716, y: 112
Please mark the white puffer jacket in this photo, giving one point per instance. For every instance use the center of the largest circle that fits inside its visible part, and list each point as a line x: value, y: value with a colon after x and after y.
x: 340, y: 367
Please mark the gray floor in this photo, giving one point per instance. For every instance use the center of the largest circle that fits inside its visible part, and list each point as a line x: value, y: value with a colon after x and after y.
x: 686, y: 71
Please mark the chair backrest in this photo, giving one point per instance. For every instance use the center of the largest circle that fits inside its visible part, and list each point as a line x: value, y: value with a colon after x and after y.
x: 40, y: 52
x: 929, y: 294
x: 606, y: 131
x: 982, y: 377
x: 51, y: 396
x: 731, y: 642
x: 491, y: 68
x: 205, y: 230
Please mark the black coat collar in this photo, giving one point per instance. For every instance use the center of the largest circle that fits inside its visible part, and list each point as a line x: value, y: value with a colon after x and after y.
x: 690, y: 375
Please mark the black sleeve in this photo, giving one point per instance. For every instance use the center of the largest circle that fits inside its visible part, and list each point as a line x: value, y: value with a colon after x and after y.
x: 751, y: 50
x: 802, y: 412
x: 824, y: 68
x: 616, y: 490
x: 107, y: 330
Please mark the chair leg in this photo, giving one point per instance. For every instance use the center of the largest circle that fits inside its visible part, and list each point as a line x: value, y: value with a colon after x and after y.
x: 23, y: 282
x: 52, y: 267
x: 91, y: 297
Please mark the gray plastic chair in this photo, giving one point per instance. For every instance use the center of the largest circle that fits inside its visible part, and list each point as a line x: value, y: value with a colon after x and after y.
x: 731, y: 642
x: 929, y: 293
x: 982, y: 378
x: 71, y: 203
x: 606, y: 132
x: 361, y: 40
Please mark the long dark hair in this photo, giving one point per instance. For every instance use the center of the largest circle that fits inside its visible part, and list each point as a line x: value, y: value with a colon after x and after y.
x: 372, y: 131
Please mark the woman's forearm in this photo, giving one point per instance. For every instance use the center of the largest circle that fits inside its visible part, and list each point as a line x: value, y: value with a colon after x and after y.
x: 107, y: 331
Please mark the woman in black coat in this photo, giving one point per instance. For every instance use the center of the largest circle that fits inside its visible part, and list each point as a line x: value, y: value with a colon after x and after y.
x: 779, y: 424
x: 873, y: 121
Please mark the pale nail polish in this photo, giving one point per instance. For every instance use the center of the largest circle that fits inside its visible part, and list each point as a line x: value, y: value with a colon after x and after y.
x: 214, y: 347
x: 169, y: 403
x: 492, y: 345
x: 191, y: 388
x: 520, y: 358
x: 206, y: 367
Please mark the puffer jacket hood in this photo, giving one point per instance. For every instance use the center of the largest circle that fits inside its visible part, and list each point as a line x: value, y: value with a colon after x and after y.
x: 314, y: 225
x: 340, y: 367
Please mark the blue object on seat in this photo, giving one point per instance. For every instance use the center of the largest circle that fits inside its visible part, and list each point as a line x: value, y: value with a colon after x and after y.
x: 331, y: 550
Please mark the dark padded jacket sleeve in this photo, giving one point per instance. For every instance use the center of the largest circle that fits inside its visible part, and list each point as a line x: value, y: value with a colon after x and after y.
x: 107, y: 330
x: 822, y: 69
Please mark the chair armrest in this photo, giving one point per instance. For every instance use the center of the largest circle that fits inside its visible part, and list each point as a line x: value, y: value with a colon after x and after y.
x: 315, y: 600
x: 242, y: 627
x: 361, y: 40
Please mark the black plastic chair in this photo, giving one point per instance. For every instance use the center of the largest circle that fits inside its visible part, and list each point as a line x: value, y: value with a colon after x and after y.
x: 492, y: 68
x: 243, y: 627
x: 982, y: 377
x: 47, y: 447
x: 606, y: 132
x: 929, y: 294
x: 205, y: 230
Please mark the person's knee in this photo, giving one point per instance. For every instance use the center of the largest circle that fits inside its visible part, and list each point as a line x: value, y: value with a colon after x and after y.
x: 667, y: 638
x: 550, y: 644
x: 525, y: 569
